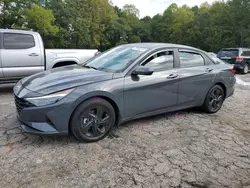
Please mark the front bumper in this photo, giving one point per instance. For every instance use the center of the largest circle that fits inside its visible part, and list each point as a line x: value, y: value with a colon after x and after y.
x: 31, y: 130
x: 46, y: 120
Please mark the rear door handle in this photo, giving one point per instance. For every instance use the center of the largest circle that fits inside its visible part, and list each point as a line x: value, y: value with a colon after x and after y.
x: 33, y: 54
x: 209, y: 70
x: 172, y: 76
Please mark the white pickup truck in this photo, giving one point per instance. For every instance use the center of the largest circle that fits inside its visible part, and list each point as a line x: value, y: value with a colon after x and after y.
x: 22, y: 54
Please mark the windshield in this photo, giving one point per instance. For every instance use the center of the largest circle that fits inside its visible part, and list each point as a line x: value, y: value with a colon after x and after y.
x: 116, y: 59
x: 228, y: 53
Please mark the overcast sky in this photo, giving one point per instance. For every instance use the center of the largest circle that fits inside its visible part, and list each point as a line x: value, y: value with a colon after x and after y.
x: 153, y: 7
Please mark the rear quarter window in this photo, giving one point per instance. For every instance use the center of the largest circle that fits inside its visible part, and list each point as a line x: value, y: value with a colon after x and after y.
x: 18, y: 41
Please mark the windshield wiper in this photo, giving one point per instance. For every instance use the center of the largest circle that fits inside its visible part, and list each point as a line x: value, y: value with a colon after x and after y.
x: 90, y: 67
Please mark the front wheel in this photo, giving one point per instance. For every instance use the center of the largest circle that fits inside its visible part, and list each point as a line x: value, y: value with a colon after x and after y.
x: 92, y: 120
x: 214, y: 99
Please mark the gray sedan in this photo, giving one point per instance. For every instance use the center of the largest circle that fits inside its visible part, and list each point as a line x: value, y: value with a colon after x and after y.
x: 124, y: 83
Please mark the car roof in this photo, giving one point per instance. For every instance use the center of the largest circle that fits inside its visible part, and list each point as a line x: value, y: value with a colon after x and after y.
x: 151, y: 46
x: 230, y: 48
x: 17, y: 31
x: 235, y: 49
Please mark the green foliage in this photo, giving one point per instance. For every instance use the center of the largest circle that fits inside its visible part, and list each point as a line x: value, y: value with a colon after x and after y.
x: 12, y: 12
x: 145, y: 29
x: 181, y: 21
x: 131, y: 10
x: 83, y: 22
x: 41, y: 20
x: 99, y: 24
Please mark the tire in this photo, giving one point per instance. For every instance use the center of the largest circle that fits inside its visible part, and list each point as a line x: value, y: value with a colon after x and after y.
x: 92, y: 120
x: 214, y: 99
x: 246, y: 68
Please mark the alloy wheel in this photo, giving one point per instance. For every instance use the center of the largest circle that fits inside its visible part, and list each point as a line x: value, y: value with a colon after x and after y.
x: 216, y: 99
x: 95, y: 122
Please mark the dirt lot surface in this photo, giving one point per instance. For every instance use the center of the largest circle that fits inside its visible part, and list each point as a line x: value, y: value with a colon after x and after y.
x: 183, y: 149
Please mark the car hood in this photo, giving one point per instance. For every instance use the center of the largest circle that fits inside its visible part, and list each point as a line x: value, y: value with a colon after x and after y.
x: 63, y: 78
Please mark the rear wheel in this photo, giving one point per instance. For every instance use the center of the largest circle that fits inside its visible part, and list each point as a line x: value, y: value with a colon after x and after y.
x: 246, y: 68
x: 214, y: 99
x: 92, y: 120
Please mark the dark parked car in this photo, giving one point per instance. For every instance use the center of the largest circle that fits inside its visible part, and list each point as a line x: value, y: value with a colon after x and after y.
x: 239, y: 57
x: 127, y: 82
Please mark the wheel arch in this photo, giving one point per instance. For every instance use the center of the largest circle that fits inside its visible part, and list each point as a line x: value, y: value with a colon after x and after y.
x: 223, y: 87
x: 114, y: 105
x: 61, y: 60
x: 102, y: 95
x: 64, y: 63
x: 217, y: 83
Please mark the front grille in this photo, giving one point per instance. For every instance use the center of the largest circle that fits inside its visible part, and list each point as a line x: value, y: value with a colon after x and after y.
x: 21, y: 104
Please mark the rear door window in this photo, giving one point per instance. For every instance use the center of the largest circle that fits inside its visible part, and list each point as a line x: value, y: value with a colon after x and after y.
x: 228, y: 53
x: 190, y: 59
x: 18, y: 41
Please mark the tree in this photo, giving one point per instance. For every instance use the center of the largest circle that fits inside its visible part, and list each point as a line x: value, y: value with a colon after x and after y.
x: 220, y: 33
x: 12, y: 12
x: 240, y: 21
x: 182, y: 20
x: 200, y: 27
x: 131, y: 10
x: 195, y: 9
x: 99, y: 24
x: 158, y: 27
x: 83, y: 22
x: 41, y: 20
x: 145, y: 29
x: 163, y: 24
x: 124, y: 28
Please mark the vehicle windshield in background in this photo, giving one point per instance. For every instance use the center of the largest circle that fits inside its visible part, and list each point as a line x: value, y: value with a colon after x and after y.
x: 228, y: 53
x: 116, y: 59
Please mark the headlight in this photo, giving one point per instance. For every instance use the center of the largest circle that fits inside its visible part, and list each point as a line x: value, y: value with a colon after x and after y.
x: 49, y: 99
x: 17, y: 87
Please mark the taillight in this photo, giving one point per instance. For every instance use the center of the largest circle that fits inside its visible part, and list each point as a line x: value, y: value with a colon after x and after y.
x: 232, y: 71
x: 96, y: 54
x: 239, y: 58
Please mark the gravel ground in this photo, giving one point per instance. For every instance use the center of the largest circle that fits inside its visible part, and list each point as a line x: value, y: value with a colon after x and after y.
x: 184, y: 149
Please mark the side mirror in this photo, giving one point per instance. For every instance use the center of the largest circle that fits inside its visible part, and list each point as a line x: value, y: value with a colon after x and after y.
x: 141, y: 70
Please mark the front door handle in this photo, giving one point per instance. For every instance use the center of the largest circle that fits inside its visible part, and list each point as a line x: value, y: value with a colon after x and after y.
x: 33, y: 54
x: 209, y: 70
x: 172, y: 76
